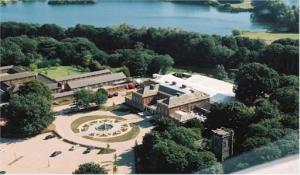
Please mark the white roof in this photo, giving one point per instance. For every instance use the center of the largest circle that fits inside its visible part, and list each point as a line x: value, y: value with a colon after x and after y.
x: 220, y: 91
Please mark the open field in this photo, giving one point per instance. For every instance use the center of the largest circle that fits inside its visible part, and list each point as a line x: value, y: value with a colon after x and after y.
x: 269, y: 37
x: 60, y: 71
x: 244, y: 5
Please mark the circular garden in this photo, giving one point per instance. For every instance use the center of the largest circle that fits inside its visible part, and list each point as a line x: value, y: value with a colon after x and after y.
x: 105, y: 128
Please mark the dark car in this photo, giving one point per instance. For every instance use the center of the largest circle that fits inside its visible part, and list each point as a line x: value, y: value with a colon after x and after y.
x: 88, y: 150
x: 115, y: 94
x: 2, y: 172
x: 49, y: 137
x: 55, y: 153
x: 72, y: 148
x: 110, y: 96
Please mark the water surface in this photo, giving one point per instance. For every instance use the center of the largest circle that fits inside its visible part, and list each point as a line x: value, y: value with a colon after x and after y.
x: 138, y: 13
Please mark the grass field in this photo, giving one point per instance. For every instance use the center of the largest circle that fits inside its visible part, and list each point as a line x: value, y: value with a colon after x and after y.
x: 244, y: 5
x: 59, y: 71
x: 268, y: 36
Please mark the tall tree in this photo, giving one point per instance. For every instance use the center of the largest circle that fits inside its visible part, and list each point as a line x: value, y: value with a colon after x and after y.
x: 28, y: 115
x: 101, y: 96
x: 255, y: 80
x: 83, y: 98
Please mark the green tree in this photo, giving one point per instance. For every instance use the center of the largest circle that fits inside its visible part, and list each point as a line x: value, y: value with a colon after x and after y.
x: 255, y: 80
x: 52, y: 30
x: 255, y: 142
x: 184, y: 136
x: 36, y: 87
x: 90, y: 168
x: 101, y: 96
x: 11, y: 53
x: 289, y: 81
x: 220, y: 73
x: 288, y: 99
x: 164, y: 124
x: 28, y: 115
x: 266, y: 153
x: 283, y: 58
x: 160, y: 64
x: 83, y: 98
x: 265, y: 109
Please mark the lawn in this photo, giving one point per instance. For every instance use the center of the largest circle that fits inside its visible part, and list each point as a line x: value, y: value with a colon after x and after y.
x: 268, y: 36
x: 60, y: 71
x: 244, y: 5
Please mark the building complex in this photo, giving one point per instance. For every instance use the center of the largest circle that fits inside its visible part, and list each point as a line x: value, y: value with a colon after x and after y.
x: 13, y: 76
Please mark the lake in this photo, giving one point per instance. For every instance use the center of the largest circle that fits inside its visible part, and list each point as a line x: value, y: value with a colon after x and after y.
x: 138, y: 13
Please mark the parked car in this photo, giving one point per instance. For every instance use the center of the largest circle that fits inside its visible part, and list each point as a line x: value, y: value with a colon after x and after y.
x: 88, y: 150
x: 2, y: 172
x: 55, y: 153
x: 110, y: 96
x: 72, y: 148
x: 49, y: 137
x: 115, y: 94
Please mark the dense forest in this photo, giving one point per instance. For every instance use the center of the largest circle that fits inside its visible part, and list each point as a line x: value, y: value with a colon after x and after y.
x: 148, y: 49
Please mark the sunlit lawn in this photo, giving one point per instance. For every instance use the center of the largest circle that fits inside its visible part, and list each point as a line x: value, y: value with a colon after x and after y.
x: 60, y: 71
x: 244, y: 5
x: 269, y: 37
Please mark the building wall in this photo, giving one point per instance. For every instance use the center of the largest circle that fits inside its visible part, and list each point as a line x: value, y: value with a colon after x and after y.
x: 222, y: 146
x: 163, y: 110
x: 20, y: 80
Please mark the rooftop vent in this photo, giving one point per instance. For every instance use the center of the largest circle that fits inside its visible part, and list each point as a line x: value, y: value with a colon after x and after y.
x: 166, y: 81
x: 192, y: 91
x: 183, y: 86
x: 173, y: 82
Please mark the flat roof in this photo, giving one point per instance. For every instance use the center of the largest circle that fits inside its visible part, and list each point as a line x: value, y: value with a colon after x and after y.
x: 84, y: 75
x: 96, y: 80
x: 17, y: 76
x: 183, y: 99
x: 6, y: 67
x: 220, y: 91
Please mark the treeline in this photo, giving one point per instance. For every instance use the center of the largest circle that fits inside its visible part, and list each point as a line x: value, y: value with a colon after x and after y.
x: 113, y: 45
x: 265, y: 118
x: 284, y: 17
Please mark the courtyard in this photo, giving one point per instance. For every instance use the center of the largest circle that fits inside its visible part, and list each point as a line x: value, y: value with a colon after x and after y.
x: 32, y: 155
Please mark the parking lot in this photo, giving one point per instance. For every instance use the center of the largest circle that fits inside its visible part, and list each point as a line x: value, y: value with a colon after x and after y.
x: 33, y: 156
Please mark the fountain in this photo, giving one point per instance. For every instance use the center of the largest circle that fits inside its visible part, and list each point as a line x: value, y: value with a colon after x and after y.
x: 104, y: 127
